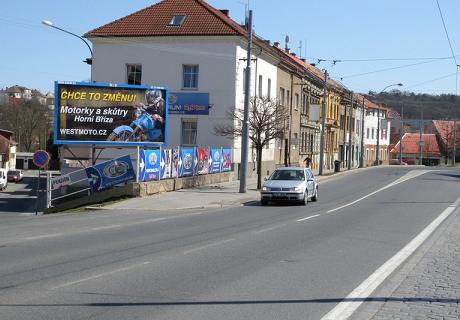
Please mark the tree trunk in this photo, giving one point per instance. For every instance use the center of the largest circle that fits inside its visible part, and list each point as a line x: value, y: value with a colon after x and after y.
x: 259, y: 168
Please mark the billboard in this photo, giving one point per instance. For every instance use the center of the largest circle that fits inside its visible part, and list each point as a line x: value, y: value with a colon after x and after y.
x: 93, y: 113
x: 165, y: 164
x: 149, y: 165
x: 188, y: 103
x: 110, y: 173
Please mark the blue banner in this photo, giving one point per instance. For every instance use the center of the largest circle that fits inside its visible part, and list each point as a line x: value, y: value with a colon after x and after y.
x: 186, y: 162
x: 226, y: 160
x: 149, y: 165
x: 175, y: 163
x: 188, y: 103
x: 108, y: 174
x: 215, y: 161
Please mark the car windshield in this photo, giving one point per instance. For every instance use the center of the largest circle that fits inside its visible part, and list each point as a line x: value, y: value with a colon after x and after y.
x: 13, y: 173
x: 288, y: 175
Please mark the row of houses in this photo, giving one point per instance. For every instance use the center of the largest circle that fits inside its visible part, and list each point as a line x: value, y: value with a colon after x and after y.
x: 192, y: 47
x: 17, y: 95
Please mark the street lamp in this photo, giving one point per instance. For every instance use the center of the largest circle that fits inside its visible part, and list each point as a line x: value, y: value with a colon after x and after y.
x: 377, y: 155
x: 50, y: 24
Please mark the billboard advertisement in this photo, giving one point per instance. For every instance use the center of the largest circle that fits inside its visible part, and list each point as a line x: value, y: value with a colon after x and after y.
x: 165, y: 164
x: 188, y: 103
x: 202, y: 156
x: 226, y: 160
x: 149, y: 165
x: 216, y: 161
x: 93, y: 113
x: 175, y: 163
x: 110, y: 173
x: 186, y: 162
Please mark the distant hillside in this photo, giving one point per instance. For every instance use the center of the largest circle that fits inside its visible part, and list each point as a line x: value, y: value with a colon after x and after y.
x: 438, y: 107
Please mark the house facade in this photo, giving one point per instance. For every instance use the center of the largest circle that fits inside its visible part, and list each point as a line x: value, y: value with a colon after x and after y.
x: 374, y: 114
x: 7, y: 150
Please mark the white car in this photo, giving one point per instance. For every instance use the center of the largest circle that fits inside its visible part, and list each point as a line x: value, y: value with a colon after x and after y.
x: 290, y: 184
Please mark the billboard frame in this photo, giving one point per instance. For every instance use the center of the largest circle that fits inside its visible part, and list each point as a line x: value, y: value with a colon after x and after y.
x: 107, y: 143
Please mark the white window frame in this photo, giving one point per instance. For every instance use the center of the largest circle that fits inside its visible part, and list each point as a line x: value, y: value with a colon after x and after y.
x: 189, y: 134
x: 194, y: 77
x: 137, y: 71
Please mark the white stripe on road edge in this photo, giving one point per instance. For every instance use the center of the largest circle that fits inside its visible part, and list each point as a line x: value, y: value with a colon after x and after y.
x: 208, y: 245
x: 307, y: 218
x: 349, y: 305
x: 408, y: 176
x: 264, y: 230
x: 44, y: 236
x: 106, y: 227
x: 100, y: 275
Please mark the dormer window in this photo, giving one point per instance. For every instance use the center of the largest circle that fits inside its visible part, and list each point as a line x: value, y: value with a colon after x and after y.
x: 177, y: 21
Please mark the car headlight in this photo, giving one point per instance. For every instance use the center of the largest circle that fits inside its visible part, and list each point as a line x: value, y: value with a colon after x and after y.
x: 296, y: 189
x: 265, y: 189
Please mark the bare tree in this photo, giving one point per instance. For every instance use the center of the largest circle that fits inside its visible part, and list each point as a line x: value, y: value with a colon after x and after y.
x: 30, y: 123
x: 266, y: 123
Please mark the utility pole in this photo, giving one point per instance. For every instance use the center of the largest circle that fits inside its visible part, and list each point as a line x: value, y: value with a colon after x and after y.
x: 323, y: 126
x: 245, y: 135
x: 344, y: 149
x: 361, y: 160
x: 350, y: 131
x: 401, y: 134
x: 377, y: 154
x: 421, y: 140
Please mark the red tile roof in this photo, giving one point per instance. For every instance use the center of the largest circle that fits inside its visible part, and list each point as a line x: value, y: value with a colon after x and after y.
x: 201, y: 19
x: 410, y: 142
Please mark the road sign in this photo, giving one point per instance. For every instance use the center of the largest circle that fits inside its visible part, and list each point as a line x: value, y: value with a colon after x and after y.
x: 41, y: 158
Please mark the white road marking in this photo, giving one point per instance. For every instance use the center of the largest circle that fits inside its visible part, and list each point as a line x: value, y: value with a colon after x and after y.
x: 308, y: 218
x: 349, y: 305
x: 265, y: 230
x: 408, y: 176
x: 100, y: 275
x: 208, y: 245
x: 52, y: 235
x: 106, y: 227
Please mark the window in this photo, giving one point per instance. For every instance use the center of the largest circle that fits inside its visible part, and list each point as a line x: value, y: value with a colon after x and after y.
x: 133, y: 73
x: 288, y: 98
x: 177, y: 21
x: 190, y: 77
x: 372, y: 133
x: 296, y: 101
x: 282, y: 96
x: 260, y: 86
x: 189, y: 131
x: 367, y: 133
x: 269, y: 88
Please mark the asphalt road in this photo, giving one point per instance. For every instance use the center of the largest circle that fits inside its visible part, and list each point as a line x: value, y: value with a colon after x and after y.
x: 249, y: 262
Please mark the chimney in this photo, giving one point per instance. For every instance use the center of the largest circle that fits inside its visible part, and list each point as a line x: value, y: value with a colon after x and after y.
x: 303, y: 59
x: 287, y: 50
x: 276, y: 44
x: 293, y: 54
x: 225, y: 11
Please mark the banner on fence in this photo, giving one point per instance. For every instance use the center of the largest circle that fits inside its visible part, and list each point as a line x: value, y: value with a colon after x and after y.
x: 165, y: 164
x: 186, y: 162
x: 202, y: 156
x: 149, y: 165
x: 226, y: 160
x: 216, y: 161
x: 175, y: 163
x: 111, y: 173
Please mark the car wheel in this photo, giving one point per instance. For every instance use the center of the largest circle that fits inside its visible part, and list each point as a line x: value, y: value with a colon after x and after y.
x: 315, y: 197
x: 305, y: 199
x: 264, y: 202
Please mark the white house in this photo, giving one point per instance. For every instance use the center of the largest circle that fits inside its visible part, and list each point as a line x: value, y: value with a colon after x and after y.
x: 194, y: 50
x: 370, y: 134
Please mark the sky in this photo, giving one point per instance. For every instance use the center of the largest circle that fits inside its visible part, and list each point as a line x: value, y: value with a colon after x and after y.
x: 375, y: 43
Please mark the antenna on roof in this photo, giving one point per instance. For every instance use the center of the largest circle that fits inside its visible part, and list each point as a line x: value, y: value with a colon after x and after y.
x: 287, y: 42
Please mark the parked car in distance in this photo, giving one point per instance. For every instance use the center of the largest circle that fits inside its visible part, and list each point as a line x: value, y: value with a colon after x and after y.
x: 3, y: 179
x: 295, y: 184
x: 15, y: 175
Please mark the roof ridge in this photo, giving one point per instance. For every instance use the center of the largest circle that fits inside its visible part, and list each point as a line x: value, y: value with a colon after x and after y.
x: 224, y: 18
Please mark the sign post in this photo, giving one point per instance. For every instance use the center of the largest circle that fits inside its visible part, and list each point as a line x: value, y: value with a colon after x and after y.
x: 40, y: 159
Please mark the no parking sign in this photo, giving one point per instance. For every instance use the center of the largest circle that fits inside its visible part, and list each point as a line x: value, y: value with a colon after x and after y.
x: 41, y: 158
